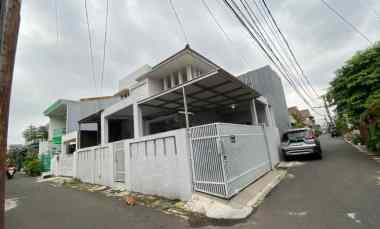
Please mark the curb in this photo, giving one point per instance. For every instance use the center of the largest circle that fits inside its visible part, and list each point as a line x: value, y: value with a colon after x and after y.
x: 259, y: 198
x: 355, y: 146
x: 215, y: 208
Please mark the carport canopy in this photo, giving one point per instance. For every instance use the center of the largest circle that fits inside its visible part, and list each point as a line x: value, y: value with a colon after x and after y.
x: 215, y: 90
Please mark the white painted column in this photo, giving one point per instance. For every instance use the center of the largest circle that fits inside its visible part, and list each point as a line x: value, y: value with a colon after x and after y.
x: 255, y: 120
x: 180, y: 77
x: 268, y: 115
x: 185, y: 106
x: 165, y: 83
x: 104, y: 129
x: 137, y: 121
x: 172, y: 80
x: 188, y: 73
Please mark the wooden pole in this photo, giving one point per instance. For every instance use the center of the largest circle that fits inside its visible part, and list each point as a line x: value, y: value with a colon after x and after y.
x: 9, y: 25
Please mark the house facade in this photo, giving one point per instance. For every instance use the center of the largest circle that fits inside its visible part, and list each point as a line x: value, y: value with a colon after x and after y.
x: 303, y: 116
x: 63, y: 129
x: 180, y: 126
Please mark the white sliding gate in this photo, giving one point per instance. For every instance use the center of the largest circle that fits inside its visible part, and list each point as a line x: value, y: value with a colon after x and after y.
x: 228, y: 157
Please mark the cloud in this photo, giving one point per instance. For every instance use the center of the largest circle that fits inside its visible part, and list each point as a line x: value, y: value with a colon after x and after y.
x: 145, y: 32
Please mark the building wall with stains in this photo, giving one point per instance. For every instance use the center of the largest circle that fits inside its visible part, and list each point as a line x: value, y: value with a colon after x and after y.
x: 265, y: 81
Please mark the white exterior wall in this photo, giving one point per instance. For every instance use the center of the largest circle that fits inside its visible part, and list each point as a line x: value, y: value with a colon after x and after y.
x: 65, y: 164
x: 159, y: 164
x: 273, y: 137
x: 155, y: 86
x: 130, y: 79
x: 94, y: 165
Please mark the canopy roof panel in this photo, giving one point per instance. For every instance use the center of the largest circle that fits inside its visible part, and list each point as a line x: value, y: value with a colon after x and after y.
x: 217, y: 89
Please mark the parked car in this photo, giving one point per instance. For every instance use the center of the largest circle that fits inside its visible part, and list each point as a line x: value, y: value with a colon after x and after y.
x: 10, y: 171
x: 334, y: 132
x: 301, y: 141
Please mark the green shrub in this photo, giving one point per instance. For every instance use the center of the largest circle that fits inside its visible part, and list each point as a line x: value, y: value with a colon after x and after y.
x: 374, y: 138
x: 33, y: 167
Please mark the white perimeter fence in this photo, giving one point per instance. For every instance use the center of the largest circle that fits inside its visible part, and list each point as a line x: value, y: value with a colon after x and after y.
x: 219, y: 159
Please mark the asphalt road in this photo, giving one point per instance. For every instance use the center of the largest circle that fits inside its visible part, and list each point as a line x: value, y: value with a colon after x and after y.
x: 340, y: 191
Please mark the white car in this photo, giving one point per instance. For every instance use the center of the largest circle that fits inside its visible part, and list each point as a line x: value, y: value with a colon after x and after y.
x: 301, y: 141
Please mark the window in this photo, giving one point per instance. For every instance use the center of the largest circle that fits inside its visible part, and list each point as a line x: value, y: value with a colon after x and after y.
x: 71, y: 147
x: 296, y: 136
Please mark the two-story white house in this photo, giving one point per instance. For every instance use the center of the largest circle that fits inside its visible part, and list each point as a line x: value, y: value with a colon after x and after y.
x: 180, y: 126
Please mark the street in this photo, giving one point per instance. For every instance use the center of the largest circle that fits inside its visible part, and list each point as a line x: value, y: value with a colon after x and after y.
x: 340, y: 191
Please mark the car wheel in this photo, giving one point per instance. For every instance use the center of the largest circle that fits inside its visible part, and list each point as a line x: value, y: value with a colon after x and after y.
x: 318, y: 156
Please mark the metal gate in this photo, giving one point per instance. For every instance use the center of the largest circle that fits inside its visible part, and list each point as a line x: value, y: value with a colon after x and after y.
x: 119, y: 161
x: 227, y: 157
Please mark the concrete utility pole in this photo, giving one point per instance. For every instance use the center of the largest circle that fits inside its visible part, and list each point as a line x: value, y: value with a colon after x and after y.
x: 9, y: 25
x: 327, y: 109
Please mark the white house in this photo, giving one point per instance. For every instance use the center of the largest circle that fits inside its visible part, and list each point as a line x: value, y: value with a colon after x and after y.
x: 180, y: 126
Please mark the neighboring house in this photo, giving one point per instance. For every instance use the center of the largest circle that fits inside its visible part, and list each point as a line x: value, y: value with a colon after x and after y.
x: 307, y: 118
x: 303, y: 115
x: 63, y: 128
x: 184, y: 124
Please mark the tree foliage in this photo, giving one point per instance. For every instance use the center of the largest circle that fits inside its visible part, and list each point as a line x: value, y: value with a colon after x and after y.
x: 34, y: 133
x: 356, y: 87
x: 356, y: 93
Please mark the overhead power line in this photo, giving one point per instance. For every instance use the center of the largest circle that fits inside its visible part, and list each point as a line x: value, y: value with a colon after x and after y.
x: 352, y: 26
x: 288, y: 46
x: 179, y: 21
x: 271, y: 46
x: 278, y: 48
x: 56, y: 19
x: 104, y: 46
x: 90, y: 46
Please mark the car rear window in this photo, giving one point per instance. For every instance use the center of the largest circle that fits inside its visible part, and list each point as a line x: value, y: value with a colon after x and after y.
x: 295, y: 136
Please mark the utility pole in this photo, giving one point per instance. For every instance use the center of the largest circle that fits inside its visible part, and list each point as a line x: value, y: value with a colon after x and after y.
x: 327, y: 109
x: 9, y: 25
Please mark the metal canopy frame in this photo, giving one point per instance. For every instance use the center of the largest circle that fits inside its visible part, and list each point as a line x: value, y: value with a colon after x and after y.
x: 214, y: 90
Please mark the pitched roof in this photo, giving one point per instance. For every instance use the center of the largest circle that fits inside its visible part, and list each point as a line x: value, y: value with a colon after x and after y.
x: 184, y: 51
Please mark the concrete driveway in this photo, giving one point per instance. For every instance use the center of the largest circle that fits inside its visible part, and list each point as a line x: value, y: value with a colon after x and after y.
x: 340, y: 191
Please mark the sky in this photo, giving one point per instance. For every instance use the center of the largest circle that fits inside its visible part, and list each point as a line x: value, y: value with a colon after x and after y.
x: 53, y: 60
